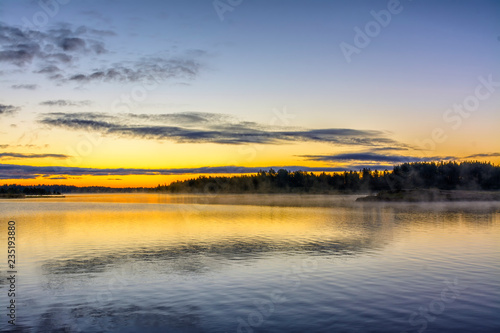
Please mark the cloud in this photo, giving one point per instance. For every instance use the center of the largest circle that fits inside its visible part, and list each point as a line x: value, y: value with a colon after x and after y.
x: 19, y: 54
x: 8, y: 109
x: 58, y: 51
x: 62, y: 103
x: 49, y: 69
x: 150, y: 69
x: 73, y: 44
x: 98, y: 16
x: 483, y: 155
x: 29, y: 146
x: 374, y: 157
x: 198, y: 127
x: 22, y: 156
x: 80, y: 40
x: 390, y: 149
x: 11, y: 171
x: 25, y: 86
x: 107, y: 33
x: 21, y: 47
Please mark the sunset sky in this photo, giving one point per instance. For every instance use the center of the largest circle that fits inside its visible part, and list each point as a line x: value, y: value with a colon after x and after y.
x: 137, y: 93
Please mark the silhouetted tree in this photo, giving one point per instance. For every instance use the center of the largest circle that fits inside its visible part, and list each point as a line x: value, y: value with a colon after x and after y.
x: 443, y: 175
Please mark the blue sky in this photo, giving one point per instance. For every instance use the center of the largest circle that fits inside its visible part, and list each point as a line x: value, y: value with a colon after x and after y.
x: 262, y: 57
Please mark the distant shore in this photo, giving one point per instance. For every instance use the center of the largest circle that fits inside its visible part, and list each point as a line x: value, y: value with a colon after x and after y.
x: 431, y: 195
x: 24, y: 196
x: 12, y: 196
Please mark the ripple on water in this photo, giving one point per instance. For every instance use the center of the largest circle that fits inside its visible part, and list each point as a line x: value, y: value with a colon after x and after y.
x: 116, y: 265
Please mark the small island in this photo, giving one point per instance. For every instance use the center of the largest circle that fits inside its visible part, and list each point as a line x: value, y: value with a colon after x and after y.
x: 414, y: 182
x: 12, y: 196
x: 431, y: 195
x: 22, y: 192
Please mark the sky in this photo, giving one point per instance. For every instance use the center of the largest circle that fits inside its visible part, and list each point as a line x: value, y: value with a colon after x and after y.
x: 140, y: 93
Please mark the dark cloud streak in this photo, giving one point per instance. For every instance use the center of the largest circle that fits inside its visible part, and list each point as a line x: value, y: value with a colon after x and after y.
x: 63, y: 103
x: 56, y: 53
x: 25, y: 86
x: 8, y: 109
x: 196, y: 127
x: 374, y: 157
x: 11, y: 171
x: 483, y: 155
x: 23, y: 156
x: 147, y: 69
x: 20, y: 47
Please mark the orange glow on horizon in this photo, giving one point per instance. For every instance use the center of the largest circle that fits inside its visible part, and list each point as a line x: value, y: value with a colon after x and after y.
x: 149, y: 181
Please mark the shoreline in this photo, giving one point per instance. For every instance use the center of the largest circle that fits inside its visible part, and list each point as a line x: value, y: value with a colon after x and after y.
x: 24, y: 196
x: 431, y: 195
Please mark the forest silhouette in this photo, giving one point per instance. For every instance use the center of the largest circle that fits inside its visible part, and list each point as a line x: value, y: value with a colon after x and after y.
x: 407, y: 176
x: 418, y: 175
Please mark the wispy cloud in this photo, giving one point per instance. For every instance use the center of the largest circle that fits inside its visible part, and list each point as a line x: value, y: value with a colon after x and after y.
x: 197, y: 127
x: 374, y: 158
x: 21, y: 47
x: 152, y: 69
x: 385, y: 149
x: 11, y: 171
x: 8, y: 109
x: 62, y: 102
x: 97, y: 16
x: 483, y: 155
x: 29, y: 146
x: 57, y: 53
x: 49, y: 69
x: 25, y: 86
x: 23, y: 156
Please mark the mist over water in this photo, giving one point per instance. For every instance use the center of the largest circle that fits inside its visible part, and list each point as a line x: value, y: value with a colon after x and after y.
x: 254, y: 263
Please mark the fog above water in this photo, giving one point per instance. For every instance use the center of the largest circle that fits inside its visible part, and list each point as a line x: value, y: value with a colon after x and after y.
x: 192, y: 263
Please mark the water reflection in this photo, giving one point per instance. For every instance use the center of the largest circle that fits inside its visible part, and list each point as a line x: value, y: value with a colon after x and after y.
x: 156, y: 263
x: 193, y: 257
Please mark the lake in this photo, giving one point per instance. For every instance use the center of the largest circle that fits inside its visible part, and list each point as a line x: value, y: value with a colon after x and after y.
x: 251, y: 263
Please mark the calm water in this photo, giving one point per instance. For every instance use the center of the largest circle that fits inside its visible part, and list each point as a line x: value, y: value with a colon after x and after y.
x: 160, y: 263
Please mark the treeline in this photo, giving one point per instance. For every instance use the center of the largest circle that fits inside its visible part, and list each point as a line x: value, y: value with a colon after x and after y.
x: 443, y: 175
x: 65, y: 189
x: 423, y: 175
x: 26, y: 190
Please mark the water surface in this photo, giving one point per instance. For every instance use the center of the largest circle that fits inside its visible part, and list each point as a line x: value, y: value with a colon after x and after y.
x: 188, y: 263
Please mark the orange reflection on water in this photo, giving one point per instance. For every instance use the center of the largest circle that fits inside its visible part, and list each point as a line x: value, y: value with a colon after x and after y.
x: 86, y: 225
x: 78, y: 224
